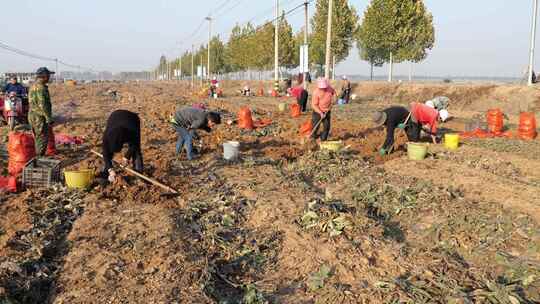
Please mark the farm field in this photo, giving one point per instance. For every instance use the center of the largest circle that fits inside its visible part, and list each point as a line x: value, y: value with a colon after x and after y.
x: 287, y: 223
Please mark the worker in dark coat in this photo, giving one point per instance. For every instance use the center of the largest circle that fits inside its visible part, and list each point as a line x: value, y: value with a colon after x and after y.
x: 123, y: 127
x: 392, y: 118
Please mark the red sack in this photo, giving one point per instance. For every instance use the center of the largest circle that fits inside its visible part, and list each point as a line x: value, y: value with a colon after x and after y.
x: 527, y: 126
x: 261, y: 123
x: 275, y: 93
x: 296, y: 111
x: 495, y: 120
x: 21, y: 149
x: 200, y: 106
x: 245, y: 121
x: 8, y: 184
x: 306, y: 128
x: 260, y: 93
x: 51, y: 144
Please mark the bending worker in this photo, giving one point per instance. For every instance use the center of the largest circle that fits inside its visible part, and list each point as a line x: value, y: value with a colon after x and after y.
x: 301, y: 95
x: 123, y: 127
x: 391, y: 118
x: 420, y: 116
x: 40, y: 113
x: 186, y: 121
x: 439, y: 103
x: 425, y: 118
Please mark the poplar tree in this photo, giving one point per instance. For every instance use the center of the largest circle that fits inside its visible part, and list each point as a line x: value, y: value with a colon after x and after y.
x: 344, y: 26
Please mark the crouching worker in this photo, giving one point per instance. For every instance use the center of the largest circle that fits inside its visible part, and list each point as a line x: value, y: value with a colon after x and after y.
x: 123, y: 127
x: 392, y: 118
x: 186, y: 121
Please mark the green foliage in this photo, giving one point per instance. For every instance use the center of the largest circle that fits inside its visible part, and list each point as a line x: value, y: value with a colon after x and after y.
x: 403, y: 28
x: 287, y: 44
x: 218, y: 63
x: 316, y: 281
x: 344, y: 26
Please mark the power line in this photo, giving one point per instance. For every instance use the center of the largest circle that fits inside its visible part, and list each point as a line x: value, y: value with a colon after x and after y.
x: 18, y: 51
x: 287, y: 13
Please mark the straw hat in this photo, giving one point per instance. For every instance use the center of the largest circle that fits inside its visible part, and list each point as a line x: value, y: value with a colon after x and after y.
x: 379, y: 118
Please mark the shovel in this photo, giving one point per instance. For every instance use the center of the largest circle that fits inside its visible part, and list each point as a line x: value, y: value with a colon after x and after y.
x: 304, y: 140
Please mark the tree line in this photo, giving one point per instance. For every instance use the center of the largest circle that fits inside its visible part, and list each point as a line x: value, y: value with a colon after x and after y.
x: 391, y: 31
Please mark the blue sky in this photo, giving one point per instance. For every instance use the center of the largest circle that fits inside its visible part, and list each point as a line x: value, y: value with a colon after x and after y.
x: 473, y: 38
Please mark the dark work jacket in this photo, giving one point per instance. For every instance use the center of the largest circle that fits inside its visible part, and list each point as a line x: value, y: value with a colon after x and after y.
x: 394, y: 116
x: 123, y: 127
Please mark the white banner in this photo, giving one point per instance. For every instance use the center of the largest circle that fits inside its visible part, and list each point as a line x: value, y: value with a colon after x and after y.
x: 304, y: 59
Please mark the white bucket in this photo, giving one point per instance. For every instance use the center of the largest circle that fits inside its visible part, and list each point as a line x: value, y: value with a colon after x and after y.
x: 231, y: 150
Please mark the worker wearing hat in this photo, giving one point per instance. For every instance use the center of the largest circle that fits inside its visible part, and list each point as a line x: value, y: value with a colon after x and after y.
x: 411, y: 121
x: 392, y: 118
x: 40, y: 113
x: 321, y: 103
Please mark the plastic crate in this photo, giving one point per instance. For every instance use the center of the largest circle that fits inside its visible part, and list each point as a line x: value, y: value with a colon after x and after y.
x: 41, y: 173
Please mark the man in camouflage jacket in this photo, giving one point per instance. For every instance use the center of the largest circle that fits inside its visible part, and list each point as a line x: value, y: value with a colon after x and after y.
x: 40, y: 114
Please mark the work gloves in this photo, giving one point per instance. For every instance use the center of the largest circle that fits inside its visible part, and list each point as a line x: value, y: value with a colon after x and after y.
x: 401, y: 126
x: 382, y: 152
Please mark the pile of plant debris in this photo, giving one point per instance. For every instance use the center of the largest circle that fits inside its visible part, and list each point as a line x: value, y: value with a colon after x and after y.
x: 322, y: 167
x: 28, y: 274
x: 528, y: 149
x: 449, y: 249
x: 231, y: 258
x: 491, y: 165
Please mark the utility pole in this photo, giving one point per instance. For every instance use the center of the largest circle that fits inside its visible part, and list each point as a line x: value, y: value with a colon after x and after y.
x: 209, y: 39
x: 180, y: 68
x: 306, y: 25
x: 276, y: 49
x: 57, y: 72
x: 202, y: 70
x: 192, y: 66
x: 328, y: 40
x: 533, y: 42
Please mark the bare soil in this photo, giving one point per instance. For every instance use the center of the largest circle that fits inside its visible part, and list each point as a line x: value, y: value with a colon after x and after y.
x: 287, y: 223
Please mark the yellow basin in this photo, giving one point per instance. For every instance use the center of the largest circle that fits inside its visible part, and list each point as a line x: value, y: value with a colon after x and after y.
x: 80, y: 179
x: 334, y: 146
x: 451, y: 141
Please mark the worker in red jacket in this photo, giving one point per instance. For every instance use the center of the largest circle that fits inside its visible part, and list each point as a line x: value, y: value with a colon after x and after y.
x: 426, y: 118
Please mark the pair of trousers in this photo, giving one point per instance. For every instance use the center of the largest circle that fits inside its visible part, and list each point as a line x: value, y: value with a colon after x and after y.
x: 302, y: 100
x: 185, y: 139
x: 315, y: 118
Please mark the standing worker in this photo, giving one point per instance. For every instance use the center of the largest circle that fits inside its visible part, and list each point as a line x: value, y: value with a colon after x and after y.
x: 345, y: 90
x: 391, y: 118
x: 40, y: 113
x: 321, y: 103
x: 186, y: 121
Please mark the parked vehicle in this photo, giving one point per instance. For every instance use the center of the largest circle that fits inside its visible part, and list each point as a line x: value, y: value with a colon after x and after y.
x: 15, y: 110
